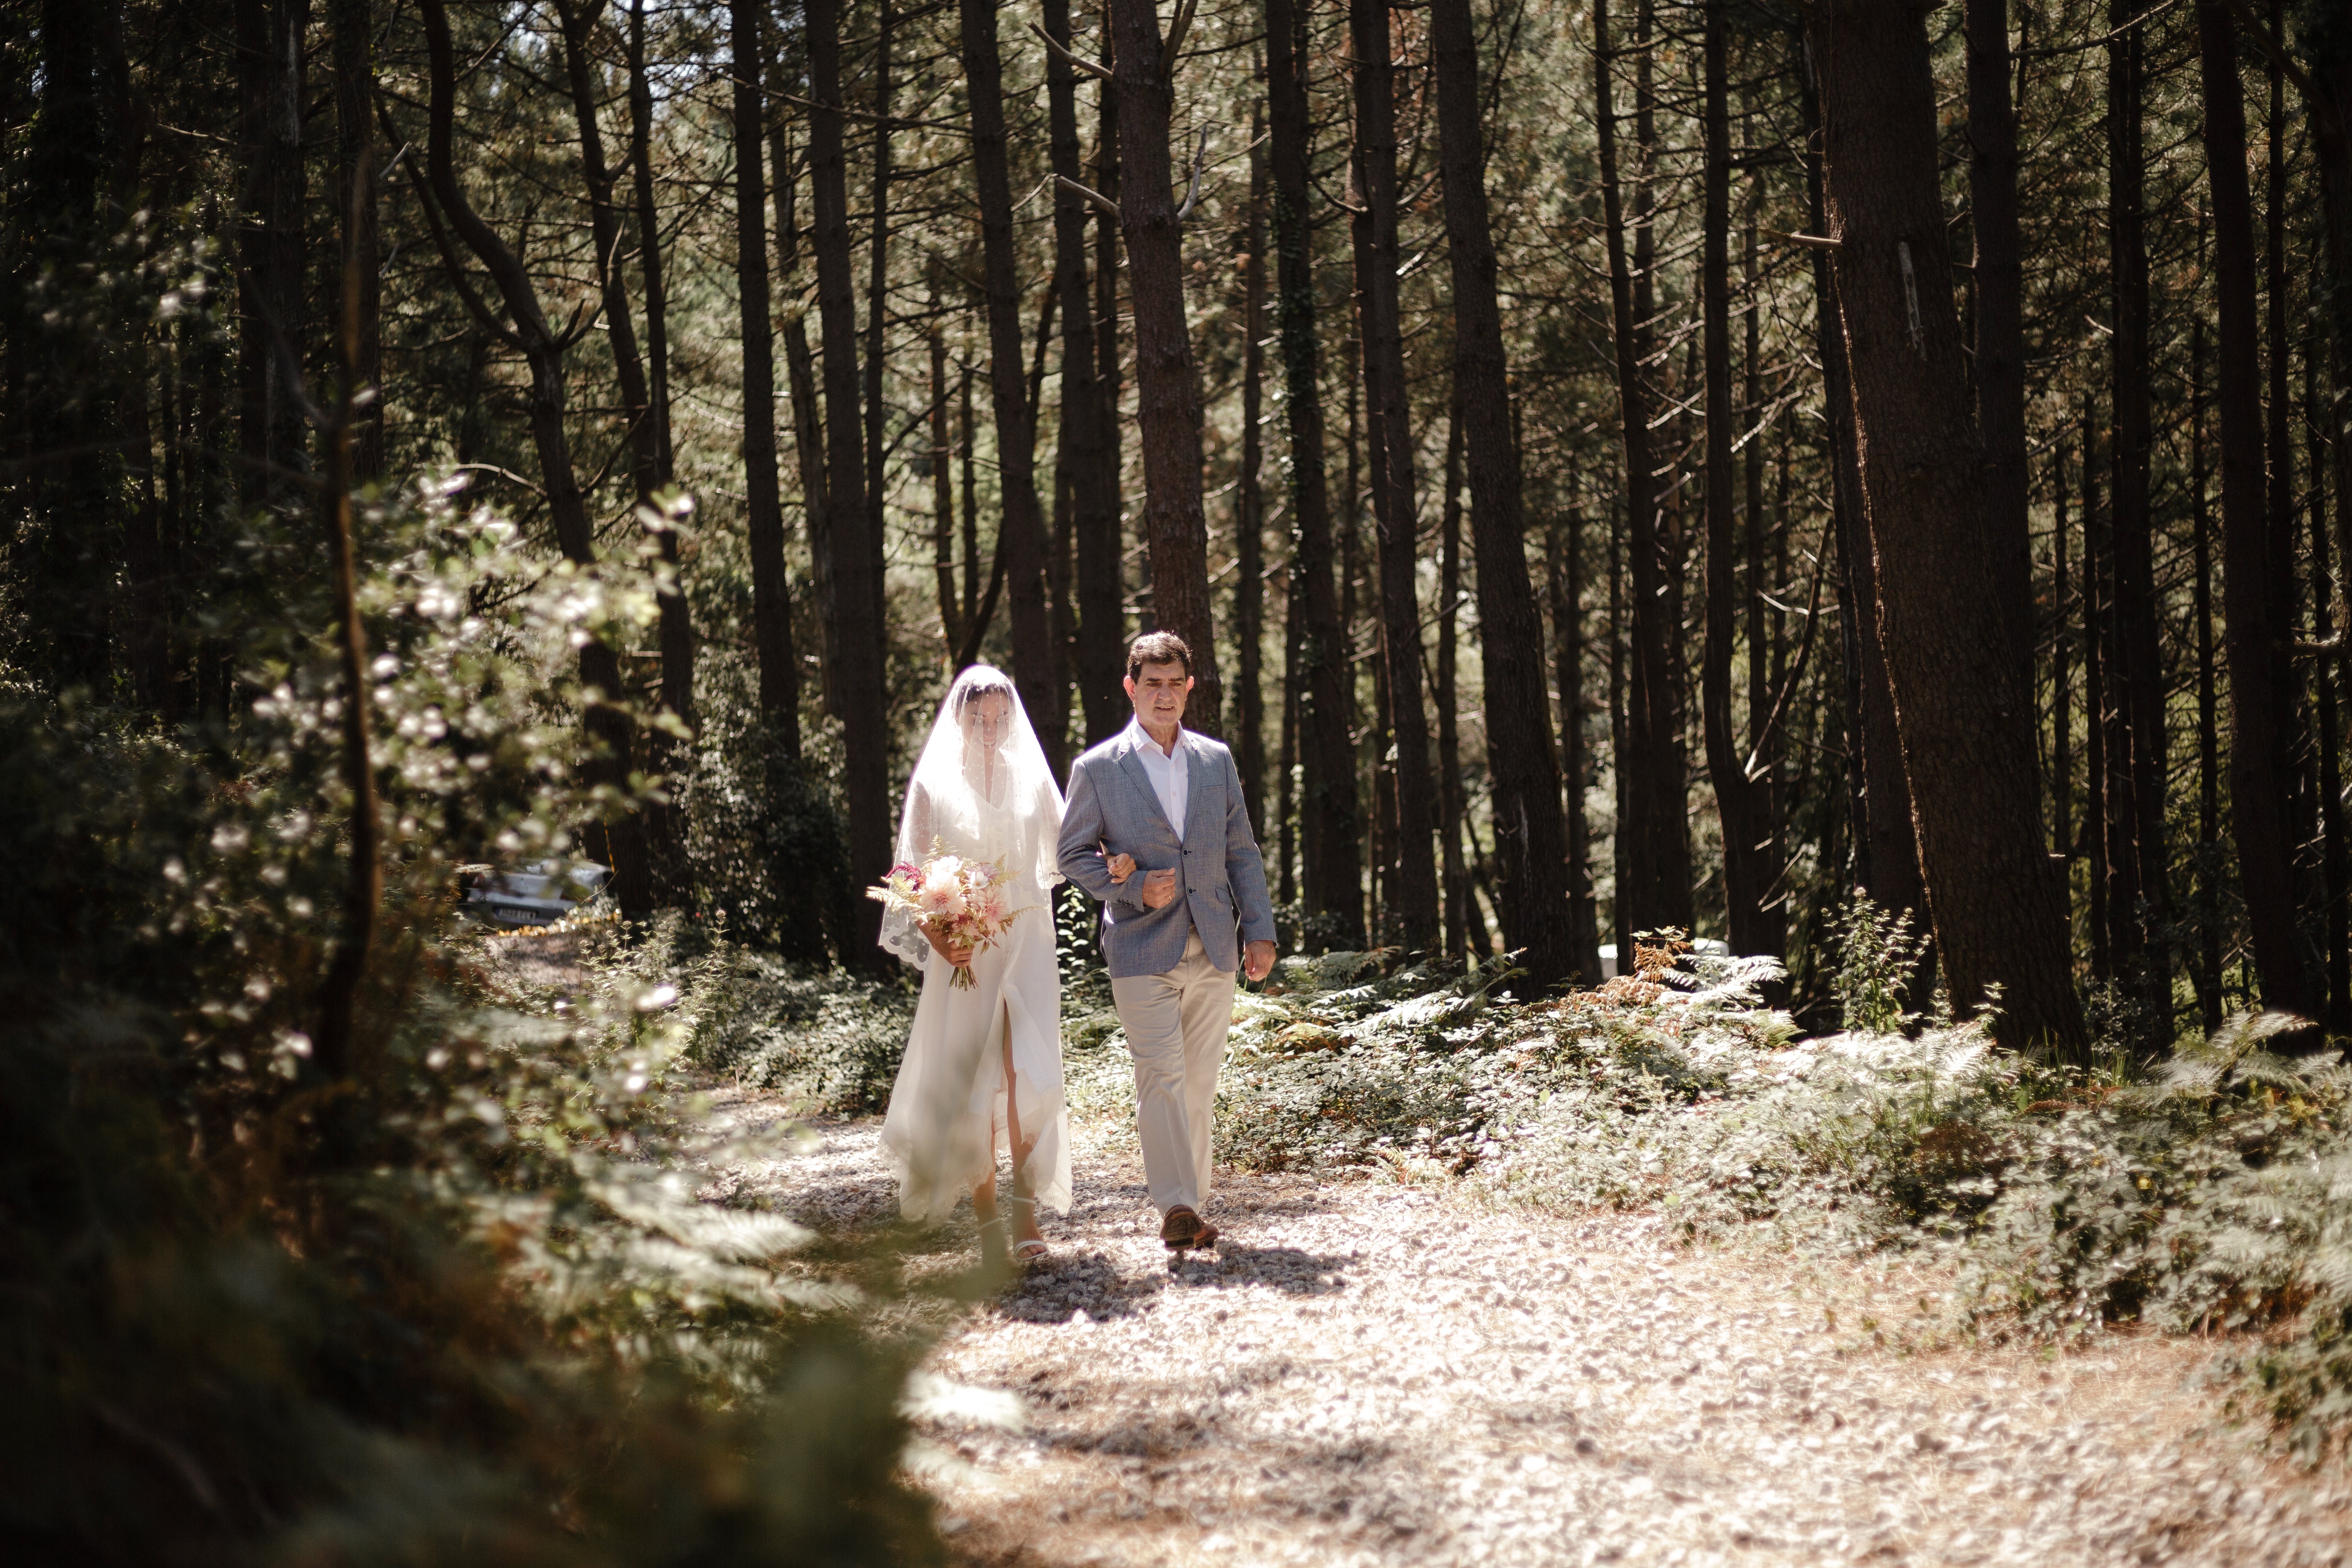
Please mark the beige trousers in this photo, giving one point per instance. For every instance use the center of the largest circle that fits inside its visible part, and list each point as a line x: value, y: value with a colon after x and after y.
x: 1176, y: 1026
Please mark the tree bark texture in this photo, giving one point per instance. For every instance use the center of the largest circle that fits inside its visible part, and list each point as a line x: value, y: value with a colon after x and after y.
x: 763, y: 509
x: 2259, y: 792
x: 1249, y: 505
x: 2209, y: 745
x: 1022, y: 518
x: 1887, y: 854
x: 1530, y: 858
x: 1743, y: 804
x: 800, y: 377
x: 350, y: 25
x: 1329, y: 826
x: 876, y: 363
x: 1963, y: 711
x: 1999, y: 275
x: 1412, y: 899
x: 649, y: 251
x: 1449, y: 742
x: 2138, y: 906
x: 1655, y: 887
x: 1085, y: 442
x: 858, y: 682
x: 1568, y: 675
x: 1166, y: 379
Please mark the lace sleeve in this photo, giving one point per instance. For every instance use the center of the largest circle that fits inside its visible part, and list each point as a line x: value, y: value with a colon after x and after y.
x: 900, y: 933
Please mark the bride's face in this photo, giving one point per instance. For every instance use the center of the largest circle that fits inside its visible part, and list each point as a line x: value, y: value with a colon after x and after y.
x: 988, y: 722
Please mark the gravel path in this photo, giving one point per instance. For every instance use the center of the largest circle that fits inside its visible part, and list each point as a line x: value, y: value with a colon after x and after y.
x: 1367, y: 1373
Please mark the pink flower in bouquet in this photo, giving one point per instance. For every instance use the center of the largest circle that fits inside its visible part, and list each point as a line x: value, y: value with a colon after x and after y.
x: 941, y: 897
x: 995, y: 906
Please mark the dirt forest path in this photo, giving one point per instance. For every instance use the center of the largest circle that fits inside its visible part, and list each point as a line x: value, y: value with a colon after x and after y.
x: 1368, y: 1373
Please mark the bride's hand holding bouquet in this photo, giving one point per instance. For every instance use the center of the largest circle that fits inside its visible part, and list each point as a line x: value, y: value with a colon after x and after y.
x: 961, y: 906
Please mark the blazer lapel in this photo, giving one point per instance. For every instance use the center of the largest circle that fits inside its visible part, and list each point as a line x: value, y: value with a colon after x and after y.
x: 1198, y: 781
x: 1131, y: 765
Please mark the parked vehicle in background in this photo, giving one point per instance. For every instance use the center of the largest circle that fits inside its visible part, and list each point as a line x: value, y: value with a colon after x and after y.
x: 535, y: 893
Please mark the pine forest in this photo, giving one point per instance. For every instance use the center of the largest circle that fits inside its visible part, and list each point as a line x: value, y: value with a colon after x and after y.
x: 1845, y: 500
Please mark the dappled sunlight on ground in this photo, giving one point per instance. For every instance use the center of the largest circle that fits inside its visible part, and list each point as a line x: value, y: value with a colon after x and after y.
x: 1372, y: 1373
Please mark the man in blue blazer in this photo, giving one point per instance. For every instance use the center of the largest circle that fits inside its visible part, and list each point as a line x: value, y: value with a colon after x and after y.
x: 1159, y: 800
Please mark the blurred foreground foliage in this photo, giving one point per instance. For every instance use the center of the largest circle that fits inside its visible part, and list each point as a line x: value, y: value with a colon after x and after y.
x: 2214, y: 1197
x: 458, y: 1305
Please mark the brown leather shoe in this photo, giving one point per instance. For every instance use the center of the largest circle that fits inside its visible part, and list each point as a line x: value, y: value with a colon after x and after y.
x: 1183, y: 1229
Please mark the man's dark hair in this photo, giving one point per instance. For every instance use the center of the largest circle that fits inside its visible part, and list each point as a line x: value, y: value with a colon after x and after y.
x: 1158, y: 647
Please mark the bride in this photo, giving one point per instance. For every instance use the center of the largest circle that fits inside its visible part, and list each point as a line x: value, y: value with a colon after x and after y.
x: 981, y: 790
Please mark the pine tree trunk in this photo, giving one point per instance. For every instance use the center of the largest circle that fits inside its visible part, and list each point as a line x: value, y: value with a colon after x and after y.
x: 1653, y: 888
x: 858, y: 683
x: 800, y: 388
x: 2062, y: 684
x: 763, y: 512
x: 2208, y: 748
x: 1766, y: 648
x: 943, y: 513
x: 1286, y: 880
x: 1532, y: 859
x: 1084, y: 448
x: 677, y: 620
x: 1742, y: 803
x: 1413, y: 897
x: 350, y: 25
x: 1886, y: 855
x: 2296, y: 714
x: 641, y: 175
x: 1166, y: 380
x: 878, y: 314
x: 1023, y: 519
x: 276, y: 250
x: 1330, y: 824
x: 1963, y: 707
x: 1449, y: 742
x: 2258, y: 790
x: 1568, y: 675
x: 2000, y: 312
x: 1249, y: 505
x: 2320, y: 430
x: 2096, y: 718
x: 2143, y: 905
x: 1107, y: 369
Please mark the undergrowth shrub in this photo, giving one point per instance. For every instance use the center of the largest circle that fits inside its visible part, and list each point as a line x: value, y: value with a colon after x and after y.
x: 829, y: 1039
x: 2215, y: 1197
x: 458, y: 1304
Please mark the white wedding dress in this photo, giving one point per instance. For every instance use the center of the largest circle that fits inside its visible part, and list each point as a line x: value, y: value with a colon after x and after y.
x: 981, y: 790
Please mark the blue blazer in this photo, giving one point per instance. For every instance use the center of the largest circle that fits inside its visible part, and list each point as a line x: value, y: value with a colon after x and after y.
x: 1220, y: 878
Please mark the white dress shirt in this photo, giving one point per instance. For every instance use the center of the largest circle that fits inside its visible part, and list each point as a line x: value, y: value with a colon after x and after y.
x: 1170, y: 776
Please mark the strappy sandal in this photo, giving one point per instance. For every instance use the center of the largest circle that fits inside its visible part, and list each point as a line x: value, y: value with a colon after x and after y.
x: 992, y: 1252
x: 1029, y: 1249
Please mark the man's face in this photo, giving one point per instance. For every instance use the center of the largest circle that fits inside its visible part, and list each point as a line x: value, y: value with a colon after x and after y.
x: 1158, y: 694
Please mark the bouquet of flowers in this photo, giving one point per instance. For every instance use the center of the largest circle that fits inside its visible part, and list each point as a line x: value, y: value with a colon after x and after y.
x: 964, y: 902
